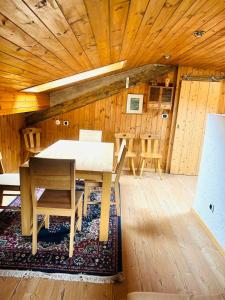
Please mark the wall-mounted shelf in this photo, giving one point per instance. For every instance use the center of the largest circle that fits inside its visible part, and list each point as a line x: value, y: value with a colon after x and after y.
x: 160, y: 97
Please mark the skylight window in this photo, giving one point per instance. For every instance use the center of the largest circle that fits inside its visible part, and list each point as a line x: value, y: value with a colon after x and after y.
x: 75, y: 78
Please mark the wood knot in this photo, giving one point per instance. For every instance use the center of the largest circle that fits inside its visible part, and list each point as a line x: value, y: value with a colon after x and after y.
x: 41, y: 4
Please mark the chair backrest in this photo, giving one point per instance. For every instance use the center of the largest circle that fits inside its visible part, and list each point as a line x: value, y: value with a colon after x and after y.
x: 150, y: 143
x: 2, y: 171
x: 128, y: 138
x: 120, y: 164
x: 32, y: 137
x: 90, y: 135
x: 52, y: 174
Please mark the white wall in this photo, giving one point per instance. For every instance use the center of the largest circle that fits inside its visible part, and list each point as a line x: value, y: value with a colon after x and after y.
x: 211, y: 180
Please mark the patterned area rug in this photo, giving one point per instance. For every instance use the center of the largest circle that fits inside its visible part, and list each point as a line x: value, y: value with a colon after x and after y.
x: 93, y: 261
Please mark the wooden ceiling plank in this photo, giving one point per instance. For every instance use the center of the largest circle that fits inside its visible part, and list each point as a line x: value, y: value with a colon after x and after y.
x: 4, y: 66
x: 152, y: 12
x: 11, y: 80
x: 136, y: 12
x: 18, y: 12
x: 157, y: 27
x: 212, y: 35
x: 212, y: 48
x: 18, y: 78
x: 23, y: 65
x: 213, y: 13
x: 18, y: 52
x: 171, y: 27
x: 98, y: 13
x: 51, y: 15
x: 76, y: 15
x: 118, y: 18
x: 183, y: 36
x: 14, y: 34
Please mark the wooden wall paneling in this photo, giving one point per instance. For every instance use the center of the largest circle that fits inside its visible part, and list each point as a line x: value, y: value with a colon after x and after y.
x: 14, y: 102
x: 191, y: 71
x: 199, y: 126
x: 196, y: 101
x: 181, y: 120
x: 109, y: 115
x: 10, y: 141
x: 190, y: 115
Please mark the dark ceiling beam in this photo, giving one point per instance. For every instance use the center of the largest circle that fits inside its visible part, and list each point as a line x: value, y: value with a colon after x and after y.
x: 89, y: 92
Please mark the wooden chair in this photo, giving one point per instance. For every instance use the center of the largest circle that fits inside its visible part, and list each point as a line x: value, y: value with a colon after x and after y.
x: 90, y: 135
x: 150, y: 150
x: 129, y: 139
x: 32, y: 139
x: 57, y: 177
x: 115, y: 183
x: 8, y: 182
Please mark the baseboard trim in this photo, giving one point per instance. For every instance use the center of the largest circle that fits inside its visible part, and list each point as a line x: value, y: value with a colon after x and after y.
x: 209, y: 233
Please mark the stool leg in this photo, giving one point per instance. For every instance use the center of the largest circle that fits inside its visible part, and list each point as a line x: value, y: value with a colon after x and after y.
x: 159, y: 168
x: 142, y: 166
x: 132, y: 164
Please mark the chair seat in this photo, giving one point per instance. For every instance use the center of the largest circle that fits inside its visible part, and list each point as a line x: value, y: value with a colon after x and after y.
x: 128, y: 154
x: 152, y: 155
x: 164, y: 296
x: 93, y: 184
x: 58, y: 199
x: 10, y: 179
x: 35, y: 150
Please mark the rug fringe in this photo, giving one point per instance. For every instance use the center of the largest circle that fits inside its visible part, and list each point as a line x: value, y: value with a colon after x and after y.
x: 63, y: 276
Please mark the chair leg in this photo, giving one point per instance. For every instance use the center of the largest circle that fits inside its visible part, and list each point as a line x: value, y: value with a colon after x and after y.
x: 132, y: 164
x: 117, y: 198
x: 142, y: 166
x: 159, y: 168
x: 34, y: 235
x: 47, y: 221
x: 86, y: 198
x: 72, y: 233
x: 155, y: 164
x: 80, y: 209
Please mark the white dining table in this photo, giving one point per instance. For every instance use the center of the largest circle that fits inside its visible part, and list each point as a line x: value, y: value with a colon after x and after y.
x: 94, y: 161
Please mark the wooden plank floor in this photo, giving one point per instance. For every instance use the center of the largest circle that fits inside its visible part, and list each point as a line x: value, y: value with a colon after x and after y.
x: 164, y: 248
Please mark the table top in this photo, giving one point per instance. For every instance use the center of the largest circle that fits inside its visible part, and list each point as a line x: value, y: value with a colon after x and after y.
x: 89, y: 156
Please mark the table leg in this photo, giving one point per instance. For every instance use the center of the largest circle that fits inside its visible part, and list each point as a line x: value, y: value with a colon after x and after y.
x: 26, y: 202
x: 105, y: 206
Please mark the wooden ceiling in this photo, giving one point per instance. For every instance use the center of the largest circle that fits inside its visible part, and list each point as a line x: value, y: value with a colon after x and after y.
x: 43, y: 40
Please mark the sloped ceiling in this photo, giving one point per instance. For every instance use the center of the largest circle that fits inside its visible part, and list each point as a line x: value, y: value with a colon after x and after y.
x: 43, y: 40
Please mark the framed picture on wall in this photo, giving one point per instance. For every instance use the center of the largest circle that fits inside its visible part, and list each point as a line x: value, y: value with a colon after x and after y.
x: 134, y: 104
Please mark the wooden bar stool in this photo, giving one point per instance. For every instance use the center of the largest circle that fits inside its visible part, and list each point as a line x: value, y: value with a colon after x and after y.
x: 129, y: 139
x: 150, y: 150
x: 32, y: 139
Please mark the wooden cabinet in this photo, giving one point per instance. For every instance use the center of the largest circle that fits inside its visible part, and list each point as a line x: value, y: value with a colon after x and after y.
x: 160, y: 97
